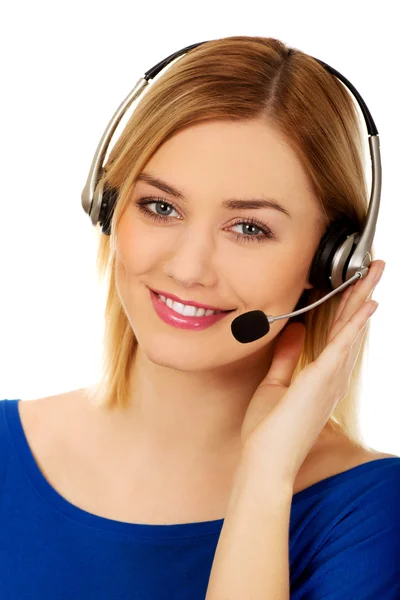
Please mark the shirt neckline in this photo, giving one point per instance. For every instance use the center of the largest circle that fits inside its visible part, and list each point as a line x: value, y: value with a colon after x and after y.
x: 178, y: 530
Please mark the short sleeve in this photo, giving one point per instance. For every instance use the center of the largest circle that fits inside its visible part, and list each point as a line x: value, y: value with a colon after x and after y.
x: 359, y: 559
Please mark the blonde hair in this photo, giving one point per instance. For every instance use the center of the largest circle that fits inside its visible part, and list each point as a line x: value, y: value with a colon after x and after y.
x: 242, y: 78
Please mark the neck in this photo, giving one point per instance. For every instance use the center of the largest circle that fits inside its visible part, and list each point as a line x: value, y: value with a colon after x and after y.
x: 189, y: 414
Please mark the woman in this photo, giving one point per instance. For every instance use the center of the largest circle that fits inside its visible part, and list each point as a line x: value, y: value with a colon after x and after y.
x: 120, y: 490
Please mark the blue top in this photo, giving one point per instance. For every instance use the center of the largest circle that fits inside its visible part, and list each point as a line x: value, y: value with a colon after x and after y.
x: 344, y: 538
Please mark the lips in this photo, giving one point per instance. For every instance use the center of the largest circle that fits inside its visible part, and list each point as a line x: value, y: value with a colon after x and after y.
x: 189, y: 302
x: 179, y: 321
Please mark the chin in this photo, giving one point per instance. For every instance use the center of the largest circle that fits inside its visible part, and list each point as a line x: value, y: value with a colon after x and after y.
x: 182, y: 355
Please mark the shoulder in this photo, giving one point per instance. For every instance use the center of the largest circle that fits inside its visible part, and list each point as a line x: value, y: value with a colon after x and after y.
x: 69, y: 419
x: 354, y: 528
x: 336, y: 455
x: 49, y: 407
x: 354, y: 551
x: 55, y: 418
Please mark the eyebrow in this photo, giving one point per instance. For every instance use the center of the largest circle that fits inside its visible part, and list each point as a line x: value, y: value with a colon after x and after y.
x: 229, y: 203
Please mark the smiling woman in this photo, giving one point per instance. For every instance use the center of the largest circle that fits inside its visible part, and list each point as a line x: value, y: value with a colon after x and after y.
x: 280, y: 156
x: 225, y: 179
x: 203, y: 168
x: 190, y: 243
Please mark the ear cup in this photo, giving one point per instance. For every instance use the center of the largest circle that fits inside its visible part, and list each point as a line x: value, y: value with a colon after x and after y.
x: 336, y: 233
x: 110, y: 196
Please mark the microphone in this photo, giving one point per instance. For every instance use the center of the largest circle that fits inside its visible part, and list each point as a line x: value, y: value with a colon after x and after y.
x: 254, y: 324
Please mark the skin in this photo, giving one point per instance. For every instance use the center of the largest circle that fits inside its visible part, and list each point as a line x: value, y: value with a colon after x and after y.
x: 190, y: 389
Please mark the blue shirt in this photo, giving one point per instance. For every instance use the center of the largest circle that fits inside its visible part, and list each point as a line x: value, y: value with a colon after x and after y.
x: 344, y: 538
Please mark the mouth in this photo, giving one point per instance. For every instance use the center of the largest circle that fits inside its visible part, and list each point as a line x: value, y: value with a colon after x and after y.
x: 188, y: 303
x: 173, y: 313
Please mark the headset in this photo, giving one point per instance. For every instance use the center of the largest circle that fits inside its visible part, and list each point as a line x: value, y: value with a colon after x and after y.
x: 343, y: 255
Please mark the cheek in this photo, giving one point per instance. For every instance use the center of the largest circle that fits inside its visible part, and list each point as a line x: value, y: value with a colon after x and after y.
x: 134, y: 250
x: 273, y: 285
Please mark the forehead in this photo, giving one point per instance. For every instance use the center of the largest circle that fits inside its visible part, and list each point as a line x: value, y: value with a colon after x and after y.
x: 243, y: 159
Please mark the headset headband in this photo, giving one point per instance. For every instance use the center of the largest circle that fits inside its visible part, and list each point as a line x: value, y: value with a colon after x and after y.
x: 96, y: 206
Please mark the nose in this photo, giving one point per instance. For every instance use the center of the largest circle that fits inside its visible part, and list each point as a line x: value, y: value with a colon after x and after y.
x: 192, y: 261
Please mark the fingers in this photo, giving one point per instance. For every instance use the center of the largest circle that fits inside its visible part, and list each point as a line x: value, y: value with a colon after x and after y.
x: 340, y: 346
x: 286, y: 355
x: 344, y: 297
x: 356, y: 347
x: 355, y: 296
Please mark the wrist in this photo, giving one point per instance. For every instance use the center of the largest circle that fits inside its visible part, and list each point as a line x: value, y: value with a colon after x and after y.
x: 261, y: 472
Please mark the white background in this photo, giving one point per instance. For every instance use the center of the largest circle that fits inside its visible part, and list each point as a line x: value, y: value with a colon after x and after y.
x: 66, y: 66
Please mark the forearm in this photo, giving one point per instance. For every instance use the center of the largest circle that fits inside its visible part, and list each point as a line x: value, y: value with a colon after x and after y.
x: 251, y: 561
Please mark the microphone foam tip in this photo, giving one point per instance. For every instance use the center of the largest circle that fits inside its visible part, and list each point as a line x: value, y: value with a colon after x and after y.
x: 250, y: 326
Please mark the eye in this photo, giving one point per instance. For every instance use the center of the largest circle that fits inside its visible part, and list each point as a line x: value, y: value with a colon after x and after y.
x: 267, y: 233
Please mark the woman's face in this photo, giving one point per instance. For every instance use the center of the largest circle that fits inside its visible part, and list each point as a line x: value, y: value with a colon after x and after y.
x: 201, y: 250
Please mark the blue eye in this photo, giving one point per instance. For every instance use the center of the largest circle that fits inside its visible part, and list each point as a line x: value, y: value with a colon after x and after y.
x: 267, y: 233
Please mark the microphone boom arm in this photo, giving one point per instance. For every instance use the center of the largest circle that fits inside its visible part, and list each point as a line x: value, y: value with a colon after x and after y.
x: 360, y: 274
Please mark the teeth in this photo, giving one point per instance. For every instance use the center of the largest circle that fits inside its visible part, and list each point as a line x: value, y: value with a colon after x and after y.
x: 188, y: 311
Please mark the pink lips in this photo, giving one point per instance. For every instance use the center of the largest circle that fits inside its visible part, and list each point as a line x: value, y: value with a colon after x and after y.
x: 183, y: 322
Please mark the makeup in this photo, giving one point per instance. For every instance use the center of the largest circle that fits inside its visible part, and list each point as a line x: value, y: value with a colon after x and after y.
x: 171, y: 317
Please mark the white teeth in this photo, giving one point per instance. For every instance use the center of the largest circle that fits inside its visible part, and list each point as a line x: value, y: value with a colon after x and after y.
x: 186, y: 310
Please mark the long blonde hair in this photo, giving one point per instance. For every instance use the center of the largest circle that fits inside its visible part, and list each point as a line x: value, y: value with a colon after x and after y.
x: 242, y: 78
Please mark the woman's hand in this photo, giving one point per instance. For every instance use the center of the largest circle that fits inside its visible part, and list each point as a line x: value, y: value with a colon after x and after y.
x: 283, y: 420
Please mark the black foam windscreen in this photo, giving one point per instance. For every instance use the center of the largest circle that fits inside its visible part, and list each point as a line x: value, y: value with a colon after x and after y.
x: 250, y: 326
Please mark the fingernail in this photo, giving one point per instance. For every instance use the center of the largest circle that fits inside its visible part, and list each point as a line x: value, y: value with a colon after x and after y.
x: 373, y: 308
x: 378, y: 276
